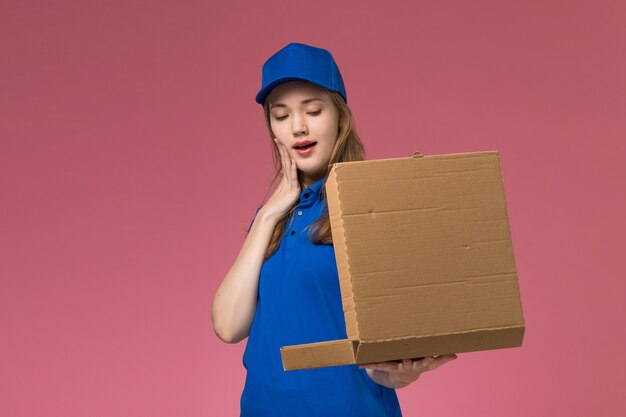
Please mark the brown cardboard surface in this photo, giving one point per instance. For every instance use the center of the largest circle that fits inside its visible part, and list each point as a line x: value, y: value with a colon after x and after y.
x: 315, y: 355
x: 425, y: 260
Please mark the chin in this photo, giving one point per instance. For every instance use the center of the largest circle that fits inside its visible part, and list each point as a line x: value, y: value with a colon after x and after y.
x: 309, y: 170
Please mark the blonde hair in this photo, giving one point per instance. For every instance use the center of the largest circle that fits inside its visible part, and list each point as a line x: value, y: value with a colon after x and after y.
x: 348, y: 147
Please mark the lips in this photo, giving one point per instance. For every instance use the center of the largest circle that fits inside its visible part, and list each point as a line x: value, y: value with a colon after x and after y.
x: 303, y: 144
x: 306, y: 148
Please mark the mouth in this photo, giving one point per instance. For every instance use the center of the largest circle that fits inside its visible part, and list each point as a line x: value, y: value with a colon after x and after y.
x: 305, y: 148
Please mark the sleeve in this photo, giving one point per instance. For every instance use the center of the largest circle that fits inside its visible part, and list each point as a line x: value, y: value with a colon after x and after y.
x: 254, y: 217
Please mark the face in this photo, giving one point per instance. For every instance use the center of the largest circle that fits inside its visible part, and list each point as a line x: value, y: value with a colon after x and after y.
x: 300, y: 113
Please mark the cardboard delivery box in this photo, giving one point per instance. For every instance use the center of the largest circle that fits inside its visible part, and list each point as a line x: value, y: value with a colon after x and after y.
x: 425, y: 260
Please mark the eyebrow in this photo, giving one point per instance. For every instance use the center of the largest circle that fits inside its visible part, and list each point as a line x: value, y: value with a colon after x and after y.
x: 308, y: 100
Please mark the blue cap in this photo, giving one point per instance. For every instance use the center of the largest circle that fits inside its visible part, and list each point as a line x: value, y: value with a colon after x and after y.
x: 298, y: 61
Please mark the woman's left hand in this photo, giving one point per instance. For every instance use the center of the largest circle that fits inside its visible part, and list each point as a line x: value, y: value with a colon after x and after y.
x: 398, y: 374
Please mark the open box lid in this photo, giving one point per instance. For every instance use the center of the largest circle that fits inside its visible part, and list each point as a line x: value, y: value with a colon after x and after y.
x: 425, y: 260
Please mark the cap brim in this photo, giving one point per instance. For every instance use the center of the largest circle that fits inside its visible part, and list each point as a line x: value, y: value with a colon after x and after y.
x: 264, y: 92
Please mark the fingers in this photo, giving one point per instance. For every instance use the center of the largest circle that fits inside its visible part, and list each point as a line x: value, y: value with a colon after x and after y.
x: 424, y: 364
x: 294, y: 175
x: 391, y: 366
x: 288, y: 166
x: 283, y: 157
x: 440, y: 360
x: 431, y: 363
x: 428, y: 363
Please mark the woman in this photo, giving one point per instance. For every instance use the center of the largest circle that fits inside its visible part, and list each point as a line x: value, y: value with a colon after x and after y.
x: 283, y: 288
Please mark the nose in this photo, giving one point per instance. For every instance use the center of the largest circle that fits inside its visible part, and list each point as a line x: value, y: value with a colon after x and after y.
x: 299, y: 126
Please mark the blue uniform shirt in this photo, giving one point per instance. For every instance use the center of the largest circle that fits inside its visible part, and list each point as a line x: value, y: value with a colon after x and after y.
x: 300, y: 302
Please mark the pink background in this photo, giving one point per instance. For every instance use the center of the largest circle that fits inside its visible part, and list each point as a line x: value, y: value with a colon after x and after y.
x: 133, y: 156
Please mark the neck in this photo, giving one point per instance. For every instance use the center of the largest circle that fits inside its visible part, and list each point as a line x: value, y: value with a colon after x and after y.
x: 308, y: 180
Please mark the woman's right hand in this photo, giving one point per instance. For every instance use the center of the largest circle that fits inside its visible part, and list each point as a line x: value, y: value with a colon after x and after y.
x: 288, y: 191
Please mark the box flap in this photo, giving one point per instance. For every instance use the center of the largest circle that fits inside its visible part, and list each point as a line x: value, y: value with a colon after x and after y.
x: 423, y: 246
x: 341, y: 255
x: 417, y: 347
x: 316, y: 355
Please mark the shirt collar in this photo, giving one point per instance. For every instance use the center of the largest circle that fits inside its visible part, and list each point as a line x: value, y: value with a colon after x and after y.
x: 311, y: 194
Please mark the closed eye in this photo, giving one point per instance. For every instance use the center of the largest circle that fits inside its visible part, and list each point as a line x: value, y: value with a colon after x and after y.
x: 314, y: 113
